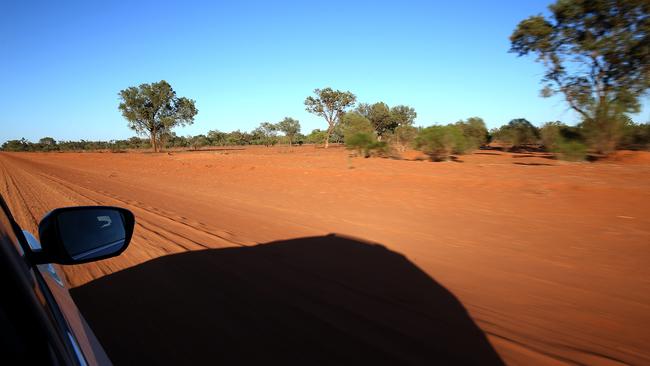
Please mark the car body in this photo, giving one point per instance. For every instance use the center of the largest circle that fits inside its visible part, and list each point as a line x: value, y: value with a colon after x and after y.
x: 39, y: 321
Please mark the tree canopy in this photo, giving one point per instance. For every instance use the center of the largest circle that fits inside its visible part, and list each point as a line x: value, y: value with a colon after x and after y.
x: 385, y: 119
x: 290, y: 127
x: 517, y: 133
x: 266, y: 134
x: 381, y: 119
x: 597, y: 54
x: 154, y: 109
x: 474, y: 129
x: 331, y: 105
x: 403, y: 115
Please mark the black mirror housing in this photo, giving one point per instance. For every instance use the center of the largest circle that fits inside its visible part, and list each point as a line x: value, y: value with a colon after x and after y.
x: 72, y: 235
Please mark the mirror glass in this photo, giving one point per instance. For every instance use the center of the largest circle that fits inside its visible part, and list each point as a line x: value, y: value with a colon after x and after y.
x: 91, y: 233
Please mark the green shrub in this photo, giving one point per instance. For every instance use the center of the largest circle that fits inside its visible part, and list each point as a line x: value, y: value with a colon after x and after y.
x: 517, y: 133
x: 550, y: 135
x: 316, y: 137
x: 440, y: 142
x: 635, y: 136
x: 403, y: 137
x: 365, y: 144
x: 379, y: 148
x: 359, y: 135
x: 474, y: 131
x: 17, y: 145
x: 571, y: 150
x: 198, y: 141
x: 353, y: 123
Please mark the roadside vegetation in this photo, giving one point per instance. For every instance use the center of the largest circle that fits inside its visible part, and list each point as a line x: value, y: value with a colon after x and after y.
x: 439, y: 142
x: 595, y: 54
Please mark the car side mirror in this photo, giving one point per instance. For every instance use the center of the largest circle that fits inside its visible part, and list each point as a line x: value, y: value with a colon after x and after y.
x: 82, y: 234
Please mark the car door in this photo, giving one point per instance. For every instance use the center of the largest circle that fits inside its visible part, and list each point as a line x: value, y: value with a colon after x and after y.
x: 39, y: 320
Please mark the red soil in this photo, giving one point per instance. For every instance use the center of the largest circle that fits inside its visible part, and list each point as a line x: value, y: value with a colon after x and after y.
x: 549, y: 258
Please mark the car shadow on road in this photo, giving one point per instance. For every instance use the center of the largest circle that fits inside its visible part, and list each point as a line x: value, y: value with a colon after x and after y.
x: 307, y: 301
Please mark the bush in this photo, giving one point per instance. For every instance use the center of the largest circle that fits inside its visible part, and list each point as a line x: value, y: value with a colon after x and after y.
x: 606, y: 128
x: 403, y: 137
x: 316, y: 137
x: 564, y: 141
x: 16, y: 145
x: 571, y: 150
x: 635, y: 136
x: 440, y: 142
x: 517, y: 133
x: 474, y: 131
x: 353, y: 123
x: 550, y: 135
x: 199, y: 141
x: 361, y: 142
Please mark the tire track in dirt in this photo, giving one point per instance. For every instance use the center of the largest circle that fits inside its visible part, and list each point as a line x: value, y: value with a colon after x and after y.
x: 157, y: 232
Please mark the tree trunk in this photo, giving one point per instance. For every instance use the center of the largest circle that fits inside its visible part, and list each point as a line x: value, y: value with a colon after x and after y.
x: 152, y: 139
x: 327, y: 137
x: 152, y: 133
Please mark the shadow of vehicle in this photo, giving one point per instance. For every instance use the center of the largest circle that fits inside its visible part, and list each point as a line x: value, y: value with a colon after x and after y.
x: 306, y: 301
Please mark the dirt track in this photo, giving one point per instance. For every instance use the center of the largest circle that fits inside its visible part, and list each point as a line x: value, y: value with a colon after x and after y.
x: 549, y: 258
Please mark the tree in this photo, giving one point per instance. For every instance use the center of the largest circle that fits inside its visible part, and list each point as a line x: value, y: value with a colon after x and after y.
x: 172, y: 140
x: 403, y: 115
x: 636, y: 136
x: 47, y: 144
x: 16, y: 145
x: 165, y: 136
x: 563, y: 140
x: 316, y: 136
x: 154, y: 109
x: 381, y: 119
x: 363, y: 109
x: 518, y: 132
x: 331, y: 105
x: 47, y: 141
x: 266, y: 134
x: 359, y: 134
x: 238, y: 138
x: 217, y: 137
x: 353, y: 122
x: 385, y: 119
x: 596, y: 54
x: 290, y: 127
x: 135, y: 142
x: 198, y: 141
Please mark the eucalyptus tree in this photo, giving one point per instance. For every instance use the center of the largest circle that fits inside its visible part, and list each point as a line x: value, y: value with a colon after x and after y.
x: 290, y: 127
x: 597, y: 54
x: 331, y: 105
x: 154, y: 109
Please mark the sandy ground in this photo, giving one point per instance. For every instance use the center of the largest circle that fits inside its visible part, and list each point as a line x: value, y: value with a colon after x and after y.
x: 549, y: 259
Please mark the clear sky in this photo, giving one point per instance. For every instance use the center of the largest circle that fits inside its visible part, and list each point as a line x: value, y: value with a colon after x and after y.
x: 62, y: 63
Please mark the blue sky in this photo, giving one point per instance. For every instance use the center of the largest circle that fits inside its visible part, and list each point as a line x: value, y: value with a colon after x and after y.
x: 63, y: 63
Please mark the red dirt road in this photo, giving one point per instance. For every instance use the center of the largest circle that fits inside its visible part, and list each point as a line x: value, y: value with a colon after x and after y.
x: 549, y: 258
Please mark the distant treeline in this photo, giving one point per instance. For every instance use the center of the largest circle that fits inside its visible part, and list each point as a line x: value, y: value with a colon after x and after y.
x: 212, y: 138
x: 358, y: 132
